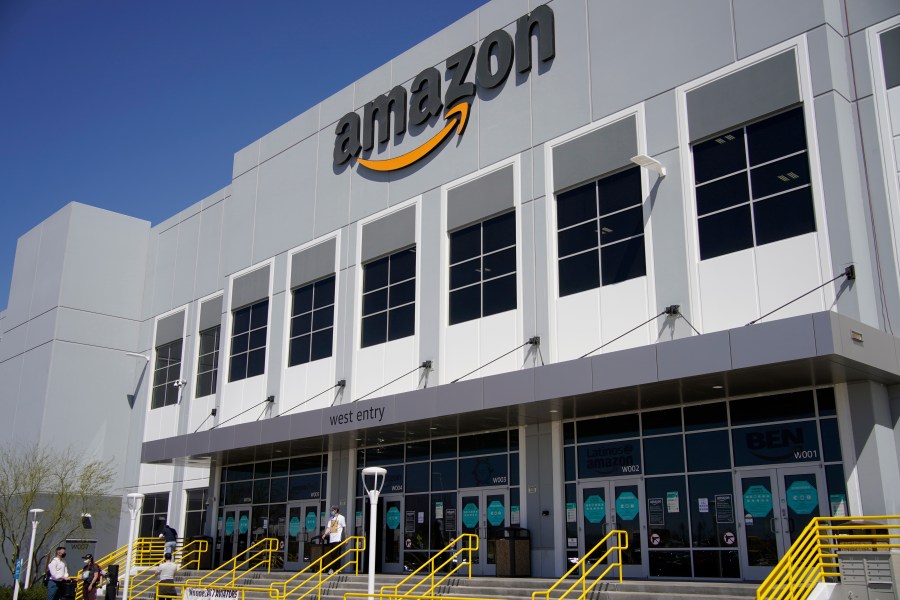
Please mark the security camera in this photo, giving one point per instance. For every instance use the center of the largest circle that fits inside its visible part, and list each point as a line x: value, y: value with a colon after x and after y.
x: 179, y: 382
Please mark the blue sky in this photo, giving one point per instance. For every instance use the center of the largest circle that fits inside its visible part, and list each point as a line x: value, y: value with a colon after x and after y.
x: 138, y: 106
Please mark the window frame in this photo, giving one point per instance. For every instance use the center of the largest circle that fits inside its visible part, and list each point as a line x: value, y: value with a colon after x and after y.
x: 170, y: 391
x: 512, y: 214
x: 311, y: 331
x: 214, y: 371
x: 249, y: 332
x: 746, y: 176
x: 387, y: 290
x: 598, y: 217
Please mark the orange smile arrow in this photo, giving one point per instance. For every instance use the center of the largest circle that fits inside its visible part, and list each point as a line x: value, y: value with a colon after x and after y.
x: 404, y: 160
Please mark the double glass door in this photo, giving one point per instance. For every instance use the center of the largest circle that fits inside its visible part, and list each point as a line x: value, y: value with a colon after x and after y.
x: 235, y: 531
x: 302, y: 527
x: 775, y: 504
x: 484, y: 512
x: 603, y: 507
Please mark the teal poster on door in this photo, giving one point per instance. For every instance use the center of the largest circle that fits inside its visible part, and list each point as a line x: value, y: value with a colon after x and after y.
x: 802, y: 497
x: 496, y: 514
x: 392, y: 518
x: 627, y: 506
x: 243, y: 524
x: 594, y: 509
x: 470, y: 515
x: 757, y: 501
x: 294, y: 526
x: 229, y: 525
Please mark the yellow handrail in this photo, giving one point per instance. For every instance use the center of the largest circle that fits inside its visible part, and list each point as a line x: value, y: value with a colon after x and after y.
x: 620, y: 546
x: 814, y: 554
x: 468, y: 544
x: 226, y: 575
x: 314, y: 576
x: 119, y: 556
x: 145, y: 579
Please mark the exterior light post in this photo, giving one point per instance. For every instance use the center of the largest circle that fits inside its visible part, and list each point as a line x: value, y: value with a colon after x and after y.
x: 35, y: 513
x: 377, y: 474
x: 135, y: 503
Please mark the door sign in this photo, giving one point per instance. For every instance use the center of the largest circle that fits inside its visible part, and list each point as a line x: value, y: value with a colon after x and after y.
x: 470, y: 515
x: 627, y: 506
x: 757, y: 501
x: 496, y: 514
x: 294, y: 526
x: 243, y: 524
x: 311, y: 521
x: 229, y: 525
x: 802, y: 497
x: 392, y: 518
x: 594, y: 509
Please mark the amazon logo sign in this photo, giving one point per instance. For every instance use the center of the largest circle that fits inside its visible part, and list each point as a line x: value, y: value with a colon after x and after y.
x: 493, y: 63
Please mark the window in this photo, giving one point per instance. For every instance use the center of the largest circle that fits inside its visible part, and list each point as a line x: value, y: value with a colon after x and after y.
x: 166, y: 375
x: 753, y: 185
x: 312, y: 322
x: 248, y: 341
x: 389, y: 298
x: 600, y: 233
x: 195, y: 515
x: 208, y: 361
x: 483, y: 269
x: 154, y: 514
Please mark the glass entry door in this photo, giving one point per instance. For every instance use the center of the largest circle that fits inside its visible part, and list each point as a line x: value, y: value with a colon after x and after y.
x: 776, y: 505
x: 608, y: 505
x: 235, y: 531
x: 302, y: 527
x: 484, y: 512
x: 393, y: 524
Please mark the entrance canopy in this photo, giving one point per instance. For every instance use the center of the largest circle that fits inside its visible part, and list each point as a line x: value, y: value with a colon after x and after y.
x: 809, y: 350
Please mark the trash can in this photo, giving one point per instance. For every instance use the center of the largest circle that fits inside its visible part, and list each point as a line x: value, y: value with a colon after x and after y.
x: 514, y: 553
x: 67, y: 589
x: 203, y: 559
x: 316, y: 550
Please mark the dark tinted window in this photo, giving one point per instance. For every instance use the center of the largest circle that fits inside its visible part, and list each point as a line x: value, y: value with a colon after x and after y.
x: 705, y: 416
x: 661, y: 421
x: 208, y: 361
x: 389, y: 297
x: 708, y: 451
x: 248, y: 341
x: 725, y: 232
x: 607, y: 428
x: 825, y: 398
x: 663, y: 455
x: 483, y: 269
x: 784, y: 216
x: 791, y: 405
x: 576, y: 206
x: 719, y: 156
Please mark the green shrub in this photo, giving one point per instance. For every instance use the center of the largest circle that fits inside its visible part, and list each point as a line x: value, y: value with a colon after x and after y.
x: 35, y: 592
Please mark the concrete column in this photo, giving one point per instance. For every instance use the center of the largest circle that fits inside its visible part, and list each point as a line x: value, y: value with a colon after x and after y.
x: 875, y: 446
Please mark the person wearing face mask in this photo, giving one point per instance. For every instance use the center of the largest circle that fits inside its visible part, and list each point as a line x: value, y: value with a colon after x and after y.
x: 333, y: 533
x: 90, y: 577
x: 57, y: 574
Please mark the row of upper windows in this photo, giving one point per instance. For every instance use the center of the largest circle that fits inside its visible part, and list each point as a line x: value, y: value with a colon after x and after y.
x: 752, y: 187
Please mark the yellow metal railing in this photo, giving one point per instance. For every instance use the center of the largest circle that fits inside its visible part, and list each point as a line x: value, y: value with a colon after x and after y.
x: 311, y: 578
x: 450, y: 557
x: 600, y: 553
x: 187, y: 556
x: 251, y: 560
x: 813, y: 556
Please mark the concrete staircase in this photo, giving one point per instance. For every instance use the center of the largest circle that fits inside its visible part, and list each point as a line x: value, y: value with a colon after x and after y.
x: 495, y: 588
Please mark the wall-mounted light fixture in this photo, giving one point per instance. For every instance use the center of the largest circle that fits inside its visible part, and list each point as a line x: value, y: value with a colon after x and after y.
x: 647, y: 162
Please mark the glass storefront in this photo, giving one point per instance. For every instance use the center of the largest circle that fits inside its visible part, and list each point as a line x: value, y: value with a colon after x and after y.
x: 283, y: 498
x: 712, y: 490
x: 438, y: 489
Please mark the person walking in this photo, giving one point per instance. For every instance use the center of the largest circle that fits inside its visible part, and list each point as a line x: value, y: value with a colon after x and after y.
x: 90, y: 577
x: 171, y: 536
x: 57, y: 574
x: 165, y: 588
x: 333, y: 533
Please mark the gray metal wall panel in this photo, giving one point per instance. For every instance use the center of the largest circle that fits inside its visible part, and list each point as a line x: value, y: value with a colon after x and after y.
x: 641, y: 49
x: 24, y: 272
x: 890, y: 56
x: 170, y: 328
x: 670, y: 269
x: 332, y: 184
x: 661, y: 123
x: 284, y: 201
x: 45, y: 291
x: 276, y: 359
x: 297, y: 129
x: 164, y: 270
x: 752, y: 92
x: 480, y: 198
x: 528, y: 272
x: 249, y: 288
x: 863, y: 14
x: 237, y: 234
x: 186, y: 261
x: 105, y: 258
x: 504, y: 109
x: 210, y: 313
x: 553, y: 113
x: 392, y: 232
x: 760, y: 24
x: 313, y: 263
x: 595, y: 153
x: 206, y: 277
x: 829, y: 62
x: 429, y: 326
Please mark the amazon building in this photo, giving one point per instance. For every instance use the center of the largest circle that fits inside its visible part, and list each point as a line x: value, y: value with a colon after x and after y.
x: 567, y: 267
